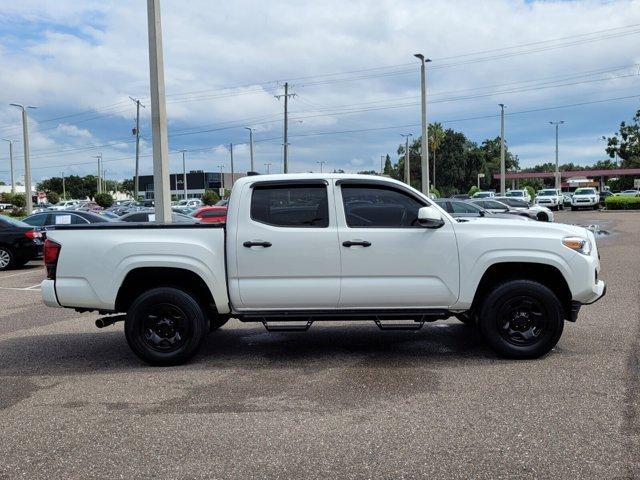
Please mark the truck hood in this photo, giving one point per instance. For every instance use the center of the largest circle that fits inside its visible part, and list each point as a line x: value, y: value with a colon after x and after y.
x: 526, y: 229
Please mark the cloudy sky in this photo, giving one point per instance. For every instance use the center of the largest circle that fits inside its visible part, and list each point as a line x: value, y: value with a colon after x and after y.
x: 350, y: 65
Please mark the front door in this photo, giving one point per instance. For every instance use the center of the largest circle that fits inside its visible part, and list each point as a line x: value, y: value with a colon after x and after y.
x: 286, y: 247
x: 388, y: 260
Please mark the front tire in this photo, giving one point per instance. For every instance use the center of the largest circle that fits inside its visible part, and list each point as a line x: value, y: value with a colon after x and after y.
x: 521, y: 319
x: 7, y: 259
x: 165, y: 326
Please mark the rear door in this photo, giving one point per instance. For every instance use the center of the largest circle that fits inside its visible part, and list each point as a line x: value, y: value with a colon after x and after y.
x: 388, y: 260
x: 286, y: 247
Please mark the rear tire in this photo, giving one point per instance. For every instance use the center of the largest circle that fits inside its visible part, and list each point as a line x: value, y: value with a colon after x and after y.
x: 573, y: 209
x: 542, y: 217
x: 521, y: 319
x: 165, y: 326
x: 7, y: 259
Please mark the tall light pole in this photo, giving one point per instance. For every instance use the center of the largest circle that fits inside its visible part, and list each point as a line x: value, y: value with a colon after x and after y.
x: 557, y: 174
x: 64, y: 189
x: 137, y: 133
x: 382, y: 158
x: 424, y: 154
x: 25, y: 147
x: 184, y: 174
x: 268, y: 165
x: 13, y: 182
x: 161, y: 185
x: 221, y: 167
x: 231, y: 158
x: 250, y: 145
x: 407, y: 167
x: 99, y: 184
x: 321, y: 163
x: 502, y: 159
x: 285, y: 155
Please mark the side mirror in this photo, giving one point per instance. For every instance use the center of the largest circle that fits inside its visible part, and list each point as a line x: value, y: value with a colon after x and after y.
x: 430, y: 217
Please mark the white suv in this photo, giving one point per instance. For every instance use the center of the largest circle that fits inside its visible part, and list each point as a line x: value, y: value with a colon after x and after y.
x: 586, y: 197
x: 550, y: 198
x: 519, y: 194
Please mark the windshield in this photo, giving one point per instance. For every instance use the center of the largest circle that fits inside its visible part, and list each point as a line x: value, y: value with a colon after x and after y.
x: 546, y: 193
x: 482, y: 194
x: 585, y: 191
x: 515, y: 193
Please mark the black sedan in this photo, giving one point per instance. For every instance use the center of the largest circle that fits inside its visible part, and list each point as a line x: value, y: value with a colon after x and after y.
x: 64, y: 217
x: 19, y: 243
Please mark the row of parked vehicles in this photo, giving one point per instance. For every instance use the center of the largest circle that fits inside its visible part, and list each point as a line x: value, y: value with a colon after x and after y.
x: 556, y: 199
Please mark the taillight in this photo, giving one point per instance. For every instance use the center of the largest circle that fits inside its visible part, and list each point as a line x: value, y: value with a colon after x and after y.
x: 32, y: 234
x: 51, y: 254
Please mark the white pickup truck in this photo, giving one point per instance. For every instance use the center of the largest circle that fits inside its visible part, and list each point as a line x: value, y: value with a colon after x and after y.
x: 302, y: 248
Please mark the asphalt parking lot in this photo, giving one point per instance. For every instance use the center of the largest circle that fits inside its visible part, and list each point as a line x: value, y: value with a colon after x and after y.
x: 341, y: 401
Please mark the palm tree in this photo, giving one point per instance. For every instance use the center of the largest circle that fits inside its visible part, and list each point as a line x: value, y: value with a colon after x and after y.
x: 436, y: 137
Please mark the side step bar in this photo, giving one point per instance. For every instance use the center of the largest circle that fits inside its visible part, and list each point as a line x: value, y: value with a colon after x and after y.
x: 416, y: 325
x: 287, y: 327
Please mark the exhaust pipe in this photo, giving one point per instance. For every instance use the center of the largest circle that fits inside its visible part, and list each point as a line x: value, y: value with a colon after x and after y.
x: 107, y: 321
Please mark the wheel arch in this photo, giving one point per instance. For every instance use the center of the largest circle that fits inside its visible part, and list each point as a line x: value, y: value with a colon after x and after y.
x: 545, y: 274
x: 142, y: 279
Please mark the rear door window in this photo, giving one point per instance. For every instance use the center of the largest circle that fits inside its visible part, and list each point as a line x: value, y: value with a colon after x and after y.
x: 289, y: 205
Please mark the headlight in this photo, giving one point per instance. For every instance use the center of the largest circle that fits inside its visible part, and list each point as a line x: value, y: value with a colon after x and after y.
x: 579, y: 244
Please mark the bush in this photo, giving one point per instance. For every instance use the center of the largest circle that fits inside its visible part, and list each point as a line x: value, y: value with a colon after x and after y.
x: 473, y: 190
x: 19, y: 200
x: 210, y: 197
x: 53, y: 197
x: 617, y: 202
x: 18, y: 212
x: 6, y: 197
x: 105, y: 200
x: 532, y: 192
x: 435, y: 192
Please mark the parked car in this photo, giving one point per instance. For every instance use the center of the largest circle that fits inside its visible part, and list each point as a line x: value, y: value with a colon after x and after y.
x: 537, y: 212
x: 211, y: 214
x: 65, y: 205
x: 494, y: 206
x: 550, y: 198
x: 519, y: 195
x: 585, y: 197
x: 462, y: 209
x: 63, y: 217
x: 461, y: 196
x: 222, y: 203
x: 19, y: 243
x: 307, y: 247
x: 183, y: 206
x: 629, y: 193
x: 6, y: 206
x: 483, y: 195
x: 150, y: 216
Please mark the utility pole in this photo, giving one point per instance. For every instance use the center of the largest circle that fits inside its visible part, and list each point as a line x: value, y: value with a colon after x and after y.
x: 382, y: 158
x: 99, y: 183
x: 321, y: 163
x: 161, y: 190
x: 407, y: 167
x: 231, y: 152
x: 137, y: 134
x: 64, y: 190
x: 221, y: 167
x: 268, y: 165
x: 184, y: 175
x: 250, y: 145
x: 13, y: 182
x: 502, y: 159
x: 557, y: 173
x: 424, y: 148
x: 27, y: 165
x: 105, y: 187
x: 286, y: 125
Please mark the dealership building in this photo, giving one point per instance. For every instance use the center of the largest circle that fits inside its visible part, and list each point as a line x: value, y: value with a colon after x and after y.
x: 197, y: 182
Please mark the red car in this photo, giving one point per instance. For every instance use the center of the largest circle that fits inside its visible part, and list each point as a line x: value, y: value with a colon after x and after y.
x: 211, y: 214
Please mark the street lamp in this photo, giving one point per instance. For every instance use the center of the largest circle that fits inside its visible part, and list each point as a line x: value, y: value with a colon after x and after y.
x: 502, y: 151
x: 407, y: 169
x: 250, y: 144
x: 268, y: 165
x: 184, y: 175
x: 557, y: 175
x: 27, y: 165
x: 13, y: 183
x: 424, y: 154
x: 321, y: 163
x: 99, y: 185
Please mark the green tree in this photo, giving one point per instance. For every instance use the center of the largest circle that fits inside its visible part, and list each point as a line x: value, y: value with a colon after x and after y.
x: 105, y: 200
x: 436, y: 137
x: 19, y: 200
x: 388, y: 167
x: 473, y: 190
x: 625, y: 144
x: 210, y: 197
x: 52, y: 197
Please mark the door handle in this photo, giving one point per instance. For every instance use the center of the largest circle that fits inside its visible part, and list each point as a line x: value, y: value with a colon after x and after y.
x: 351, y: 243
x: 257, y: 244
